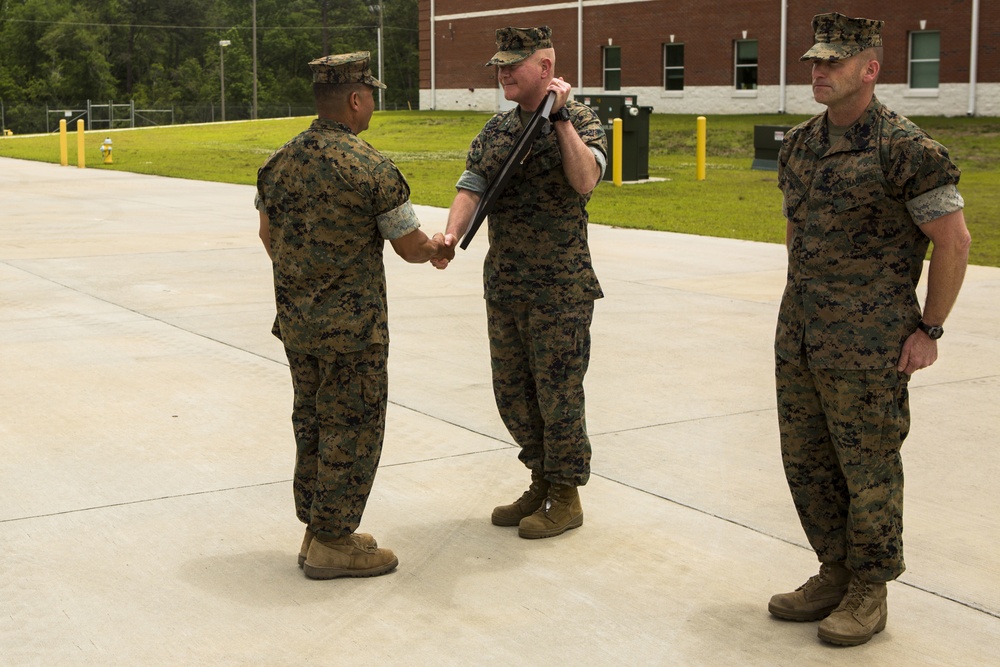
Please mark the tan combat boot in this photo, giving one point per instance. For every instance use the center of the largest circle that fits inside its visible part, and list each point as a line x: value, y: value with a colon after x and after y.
x: 561, y: 511
x: 530, y: 500
x: 814, y: 599
x: 862, y: 613
x: 348, y: 556
x: 307, y: 540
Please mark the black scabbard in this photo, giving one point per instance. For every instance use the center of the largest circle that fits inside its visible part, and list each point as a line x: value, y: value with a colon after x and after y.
x: 509, y: 167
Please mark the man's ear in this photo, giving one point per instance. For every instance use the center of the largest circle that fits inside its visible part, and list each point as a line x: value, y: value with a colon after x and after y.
x: 546, y: 67
x: 872, y: 69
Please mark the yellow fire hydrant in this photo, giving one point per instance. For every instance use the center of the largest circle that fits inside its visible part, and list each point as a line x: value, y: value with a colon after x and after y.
x: 106, y: 150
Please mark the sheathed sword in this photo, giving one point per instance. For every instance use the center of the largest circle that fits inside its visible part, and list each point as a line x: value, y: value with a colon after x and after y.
x: 509, y: 167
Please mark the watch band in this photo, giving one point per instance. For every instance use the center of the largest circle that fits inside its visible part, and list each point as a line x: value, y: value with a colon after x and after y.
x: 562, y: 114
x: 933, y: 331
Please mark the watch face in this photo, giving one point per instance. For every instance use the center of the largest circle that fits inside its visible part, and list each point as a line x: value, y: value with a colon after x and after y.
x: 933, y: 332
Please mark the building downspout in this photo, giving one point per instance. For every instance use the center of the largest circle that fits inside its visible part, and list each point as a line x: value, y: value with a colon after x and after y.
x: 973, y: 57
x: 783, y: 67
x: 433, y: 59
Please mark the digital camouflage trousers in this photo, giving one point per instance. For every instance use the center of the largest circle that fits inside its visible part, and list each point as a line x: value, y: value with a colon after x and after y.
x: 841, y: 434
x: 339, y: 422
x: 539, y: 356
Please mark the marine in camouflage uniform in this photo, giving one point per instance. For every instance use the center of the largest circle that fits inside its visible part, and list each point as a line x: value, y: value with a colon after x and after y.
x: 328, y: 200
x: 857, y: 199
x: 540, y: 283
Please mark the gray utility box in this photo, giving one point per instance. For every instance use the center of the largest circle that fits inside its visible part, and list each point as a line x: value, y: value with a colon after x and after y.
x: 635, y: 132
x: 766, y: 144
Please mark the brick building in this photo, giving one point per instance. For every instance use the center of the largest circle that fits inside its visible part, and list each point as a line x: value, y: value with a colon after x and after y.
x: 942, y: 57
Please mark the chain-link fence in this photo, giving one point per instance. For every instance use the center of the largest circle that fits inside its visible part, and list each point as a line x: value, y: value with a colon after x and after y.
x: 34, y: 119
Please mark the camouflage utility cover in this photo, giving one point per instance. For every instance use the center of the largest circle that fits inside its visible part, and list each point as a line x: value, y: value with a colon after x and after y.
x: 856, y: 251
x: 516, y: 44
x: 838, y: 36
x: 344, y: 68
x: 331, y: 199
x: 538, y: 229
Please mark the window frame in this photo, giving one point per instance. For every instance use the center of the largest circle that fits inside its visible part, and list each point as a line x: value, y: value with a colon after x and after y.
x: 911, y: 61
x: 667, y: 68
x: 737, y: 67
x: 605, y: 68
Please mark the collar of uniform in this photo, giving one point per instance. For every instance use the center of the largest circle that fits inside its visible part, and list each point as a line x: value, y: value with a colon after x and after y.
x: 510, y: 121
x: 330, y: 124
x: 857, y: 136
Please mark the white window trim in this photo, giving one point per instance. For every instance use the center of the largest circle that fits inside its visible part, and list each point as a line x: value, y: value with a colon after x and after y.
x: 737, y: 67
x: 673, y: 67
x: 922, y: 92
x: 605, y: 69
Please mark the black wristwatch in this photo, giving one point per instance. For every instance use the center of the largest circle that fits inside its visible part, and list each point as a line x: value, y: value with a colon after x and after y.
x: 562, y: 114
x: 933, y: 332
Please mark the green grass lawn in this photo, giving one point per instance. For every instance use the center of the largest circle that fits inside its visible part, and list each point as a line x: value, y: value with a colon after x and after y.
x: 429, y: 147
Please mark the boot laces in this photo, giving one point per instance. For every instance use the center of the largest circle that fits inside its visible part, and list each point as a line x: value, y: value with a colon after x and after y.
x: 531, y: 492
x: 824, y: 576
x: 857, y: 593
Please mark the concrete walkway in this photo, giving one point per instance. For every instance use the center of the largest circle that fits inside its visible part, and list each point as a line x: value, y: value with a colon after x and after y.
x: 146, y: 454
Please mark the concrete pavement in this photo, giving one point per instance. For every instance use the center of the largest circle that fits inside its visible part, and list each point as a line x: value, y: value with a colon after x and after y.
x: 146, y: 454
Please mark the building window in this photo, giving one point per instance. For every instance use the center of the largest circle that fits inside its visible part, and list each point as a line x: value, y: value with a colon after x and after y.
x: 746, y: 64
x: 673, y: 67
x: 925, y: 59
x: 612, y: 68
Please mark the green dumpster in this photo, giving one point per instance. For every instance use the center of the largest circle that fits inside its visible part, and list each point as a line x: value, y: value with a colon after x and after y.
x: 635, y: 132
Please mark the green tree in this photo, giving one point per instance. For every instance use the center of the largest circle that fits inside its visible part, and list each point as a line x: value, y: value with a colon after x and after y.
x: 166, y: 53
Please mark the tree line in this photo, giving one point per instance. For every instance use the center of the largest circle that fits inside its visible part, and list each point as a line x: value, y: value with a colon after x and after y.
x: 166, y: 55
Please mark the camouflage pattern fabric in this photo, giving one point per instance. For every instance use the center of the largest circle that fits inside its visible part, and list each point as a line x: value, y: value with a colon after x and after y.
x: 516, y: 44
x: 539, y: 355
x: 841, y: 434
x: 339, y: 423
x: 344, y: 68
x: 856, y: 253
x: 838, y: 36
x: 854, y: 258
x: 538, y: 229
x: 331, y: 200
x: 325, y: 193
x: 540, y: 286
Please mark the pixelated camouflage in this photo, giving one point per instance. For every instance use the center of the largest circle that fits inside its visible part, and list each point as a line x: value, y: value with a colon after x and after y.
x: 324, y: 192
x: 539, y: 355
x: 855, y: 253
x: 339, y: 423
x: 516, y: 44
x: 344, y: 68
x: 841, y: 434
x: 540, y: 286
x: 538, y: 229
x: 838, y: 36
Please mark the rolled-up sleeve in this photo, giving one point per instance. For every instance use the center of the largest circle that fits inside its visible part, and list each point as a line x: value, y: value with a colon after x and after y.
x: 398, y: 222
x: 935, y: 204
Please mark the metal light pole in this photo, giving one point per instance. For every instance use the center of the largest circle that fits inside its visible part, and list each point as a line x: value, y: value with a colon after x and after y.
x: 378, y: 8
x: 380, y: 75
x: 222, y: 73
x: 253, y: 113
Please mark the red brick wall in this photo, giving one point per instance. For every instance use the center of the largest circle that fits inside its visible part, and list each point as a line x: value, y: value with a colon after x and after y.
x: 708, y: 28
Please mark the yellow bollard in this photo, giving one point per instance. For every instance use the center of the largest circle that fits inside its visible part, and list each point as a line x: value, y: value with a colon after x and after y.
x: 63, y: 149
x: 81, y: 157
x: 616, y: 151
x: 702, y: 138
